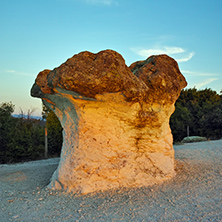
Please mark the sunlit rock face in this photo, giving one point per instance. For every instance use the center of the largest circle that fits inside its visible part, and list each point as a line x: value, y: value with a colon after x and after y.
x: 115, y: 120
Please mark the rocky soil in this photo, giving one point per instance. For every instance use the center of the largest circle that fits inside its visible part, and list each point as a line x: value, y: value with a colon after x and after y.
x: 195, y: 194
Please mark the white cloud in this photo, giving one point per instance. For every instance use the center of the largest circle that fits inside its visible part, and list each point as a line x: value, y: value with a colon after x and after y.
x: 205, y: 82
x: 166, y: 50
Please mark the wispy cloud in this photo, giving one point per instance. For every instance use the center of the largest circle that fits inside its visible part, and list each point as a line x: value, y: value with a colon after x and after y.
x: 10, y: 71
x: 165, y: 50
x: 200, y: 79
x: 187, y: 58
x: 14, y: 72
x: 198, y: 73
x: 101, y: 2
x: 205, y: 82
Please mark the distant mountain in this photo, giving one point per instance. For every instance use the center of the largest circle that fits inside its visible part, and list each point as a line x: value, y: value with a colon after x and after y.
x: 26, y: 116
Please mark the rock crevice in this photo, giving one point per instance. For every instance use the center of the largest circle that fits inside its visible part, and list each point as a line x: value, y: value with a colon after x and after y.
x: 115, y: 119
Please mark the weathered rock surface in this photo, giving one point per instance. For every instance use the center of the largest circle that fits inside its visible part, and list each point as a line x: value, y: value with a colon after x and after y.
x: 115, y: 119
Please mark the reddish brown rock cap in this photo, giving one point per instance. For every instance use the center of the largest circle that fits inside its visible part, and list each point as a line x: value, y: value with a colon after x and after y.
x: 156, y: 79
x: 162, y: 76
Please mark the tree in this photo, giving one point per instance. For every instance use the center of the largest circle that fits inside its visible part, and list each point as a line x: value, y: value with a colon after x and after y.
x: 201, y: 110
x: 21, y: 139
x: 45, y: 111
x: 211, y: 121
x: 179, y: 121
x: 55, y: 138
x: 27, y: 142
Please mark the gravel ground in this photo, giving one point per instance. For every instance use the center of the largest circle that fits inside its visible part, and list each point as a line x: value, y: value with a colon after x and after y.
x: 194, y: 194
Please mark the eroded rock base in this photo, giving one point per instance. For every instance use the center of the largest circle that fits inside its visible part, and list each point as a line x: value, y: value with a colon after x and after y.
x: 111, y: 143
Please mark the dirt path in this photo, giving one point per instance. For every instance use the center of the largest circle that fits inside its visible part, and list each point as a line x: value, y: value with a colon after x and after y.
x: 195, y: 194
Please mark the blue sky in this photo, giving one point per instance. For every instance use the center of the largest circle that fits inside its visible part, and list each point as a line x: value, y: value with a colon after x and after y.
x: 41, y: 34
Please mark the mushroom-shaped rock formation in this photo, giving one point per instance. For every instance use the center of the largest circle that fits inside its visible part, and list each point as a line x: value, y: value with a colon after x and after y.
x: 115, y: 120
